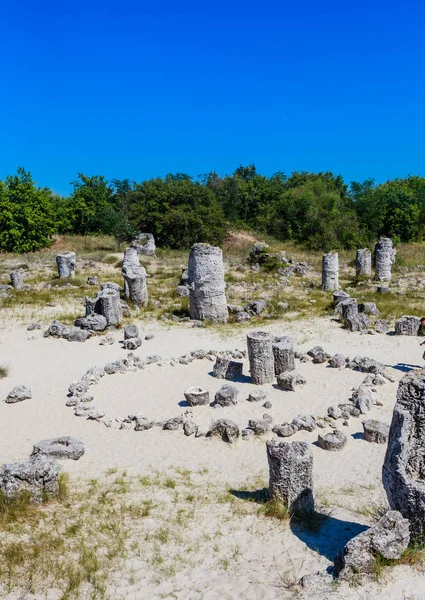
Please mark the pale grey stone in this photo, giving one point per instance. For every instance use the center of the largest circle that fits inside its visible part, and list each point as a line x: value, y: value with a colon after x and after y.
x: 227, y: 395
x: 375, y: 431
x: 207, y: 299
x: 92, y: 322
x: 333, y: 441
x: 260, y: 355
x: 384, y: 259
x: 196, y: 396
x: 283, y: 355
x: 65, y: 447
x: 330, y: 272
x: 363, y: 262
x: 66, y: 263
x: 257, y: 396
x: 307, y: 422
x: 407, y: 325
x: 18, y: 394
x: 227, y: 369
x: 291, y: 381
x: 38, y: 476
x: 226, y: 429
x: 131, y: 331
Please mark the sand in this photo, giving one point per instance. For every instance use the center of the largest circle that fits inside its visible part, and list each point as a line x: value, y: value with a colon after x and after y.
x: 344, y: 481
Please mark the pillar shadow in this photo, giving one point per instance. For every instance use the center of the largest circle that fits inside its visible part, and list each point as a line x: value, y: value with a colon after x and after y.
x: 405, y: 367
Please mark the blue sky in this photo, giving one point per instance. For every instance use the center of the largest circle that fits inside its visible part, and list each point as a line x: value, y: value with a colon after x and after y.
x: 139, y: 89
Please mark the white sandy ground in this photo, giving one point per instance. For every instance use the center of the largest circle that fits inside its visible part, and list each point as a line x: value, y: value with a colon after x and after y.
x: 267, y: 547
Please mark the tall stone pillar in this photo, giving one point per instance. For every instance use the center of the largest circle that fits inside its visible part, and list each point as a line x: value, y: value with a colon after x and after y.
x: 66, y: 264
x: 330, y: 272
x: 363, y: 262
x: 260, y: 354
x: 384, y: 259
x: 207, y: 298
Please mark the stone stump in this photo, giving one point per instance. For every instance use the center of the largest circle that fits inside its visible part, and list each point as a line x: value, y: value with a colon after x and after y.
x: 107, y: 303
x: 384, y: 259
x: 207, y: 298
x: 260, y: 354
x: 17, y: 279
x: 135, y: 284
x: 291, y: 474
x: 144, y: 243
x: 330, y: 272
x: 66, y: 264
x: 225, y: 368
x: 403, y: 472
x: 339, y: 296
x: 130, y: 260
x: 407, y: 325
x: 284, y: 355
x: 363, y: 262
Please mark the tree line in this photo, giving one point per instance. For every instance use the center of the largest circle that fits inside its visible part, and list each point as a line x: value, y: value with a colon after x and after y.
x: 318, y: 210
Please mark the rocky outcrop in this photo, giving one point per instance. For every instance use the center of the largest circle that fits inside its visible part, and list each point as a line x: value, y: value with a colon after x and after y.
x: 144, y: 243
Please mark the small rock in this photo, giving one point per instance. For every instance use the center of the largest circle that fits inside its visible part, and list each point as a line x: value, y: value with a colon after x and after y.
x: 375, y: 431
x: 18, y: 394
x: 333, y: 441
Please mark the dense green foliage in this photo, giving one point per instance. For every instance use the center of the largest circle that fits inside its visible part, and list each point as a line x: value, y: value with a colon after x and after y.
x: 316, y: 209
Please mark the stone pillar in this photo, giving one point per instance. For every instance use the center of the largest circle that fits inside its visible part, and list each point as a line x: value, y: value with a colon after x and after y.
x: 403, y: 473
x: 284, y: 355
x: 291, y: 474
x: 353, y: 320
x: 330, y: 272
x: 135, y: 284
x: 207, y: 298
x: 363, y: 262
x: 349, y: 308
x: 407, y: 325
x: 144, y: 243
x: 109, y: 305
x: 384, y: 259
x: 130, y: 260
x: 66, y: 264
x: 17, y: 279
x: 339, y: 296
x: 260, y: 354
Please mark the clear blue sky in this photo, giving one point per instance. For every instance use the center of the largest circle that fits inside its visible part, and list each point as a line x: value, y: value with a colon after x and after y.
x: 138, y: 89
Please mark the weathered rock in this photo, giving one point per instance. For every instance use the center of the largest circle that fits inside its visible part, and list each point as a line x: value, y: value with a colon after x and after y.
x: 306, y: 422
x: 337, y: 361
x: 285, y: 429
x: 257, y: 396
x: 247, y: 433
x: 290, y: 381
x: 234, y: 309
x: 330, y: 272
x: 284, y: 355
x: 226, y: 429
x: 57, y: 329
x: 261, y: 426
x: 333, y: 441
x: 363, y: 399
x: 384, y: 259
x: 144, y: 243
x: 267, y: 404
x: 109, y: 285
x: 17, y: 279
x: 260, y: 353
x: 66, y: 263
x: 318, y: 355
x: 317, y: 583
x: 227, y: 395
x: 132, y: 343
x: 77, y: 335
x: 207, y: 298
x: 108, y: 304
x: 196, y: 396
x: 93, y: 280
x: 389, y: 538
x: 334, y: 412
x: 407, y: 325
x: 131, y: 331
x: 182, y: 291
x: 189, y: 427
x: 227, y: 369
x: 62, y: 448
x: 33, y: 326
x: 375, y: 431
x: 92, y: 322
x: 18, y: 394
x: 135, y: 285
x: 242, y: 316
x: 366, y: 365
x: 368, y: 308
x: 117, y: 366
x: 403, y: 472
x: 256, y: 307
x: 382, y: 326
x: 143, y: 424
x: 37, y: 476
x: 291, y: 474
x: 339, y: 296
x: 363, y: 262
x: 93, y: 375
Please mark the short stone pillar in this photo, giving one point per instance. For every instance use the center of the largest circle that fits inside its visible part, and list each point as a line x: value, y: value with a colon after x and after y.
x: 135, y: 284
x: 353, y: 320
x: 407, y: 325
x: 363, y: 262
x: 17, y: 279
x: 384, y: 259
x: 291, y: 474
x: 349, y: 308
x: 107, y: 303
x: 144, y: 243
x: 129, y: 261
x: 403, y: 473
x: 207, y: 298
x: 284, y: 355
x: 66, y: 264
x: 339, y: 296
x: 260, y: 354
x: 330, y: 272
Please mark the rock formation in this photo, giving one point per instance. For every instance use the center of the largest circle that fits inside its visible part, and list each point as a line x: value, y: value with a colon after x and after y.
x: 363, y: 262
x: 144, y: 243
x: 260, y: 354
x: 284, y: 355
x: 384, y: 259
x: 66, y: 264
x: 330, y: 272
x: 207, y: 298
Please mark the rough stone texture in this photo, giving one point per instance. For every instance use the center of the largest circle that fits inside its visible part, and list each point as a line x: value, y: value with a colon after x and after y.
x: 247, y: 433
x: 384, y: 259
x: 285, y: 429
x: 368, y: 308
x: 132, y: 343
x: 284, y: 355
x: 330, y: 272
x: 257, y: 396
x: 131, y: 331
x: 375, y: 431
x: 144, y: 243
x: 366, y: 365
x: 227, y: 369
x: 339, y: 296
x: 93, y: 280
x: 207, y: 298
x: 92, y: 322
x: 389, y: 538
x: 182, y: 291
x: 256, y: 307
x: 135, y: 285
x: 227, y: 395
x: 382, y: 326
x: 333, y: 441
x: 363, y: 399
x: 337, y: 361
x: 107, y: 303
x: 196, y: 396
x: 242, y: 316
x: 38, y: 476
x: 66, y: 264
x: 109, y: 285
x: 291, y: 474
x: 363, y: 262
x: 306, y: 422
x: 290, y: 381
x: 403, y: 473
x: 33, y: 326
x: 77, y: 335
x: 353, y: 320
x: 318, y: 355
x: 261, y: 426
x: 18, y: 394
x: 226, y: 429
x: 61, y: 448
x: 130, y: 260
x: 407, y: 325
x: 260, y: 354
x: 17, y: 279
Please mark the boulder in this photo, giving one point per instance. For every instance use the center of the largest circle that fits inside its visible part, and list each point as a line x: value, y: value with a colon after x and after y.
x: 226, y: 429
x: 369, y: 308
x: 290, y: 381
x: 306, y: 422
x: 131, y: 331
x: 18, y: 394
x: 62, y: 448
x: 132, y: 343
x: 197, y: 396
x: 227, y: 395
x: 333, y: 441
x: 257, y: 396
x: 92, y: 322
x: 285, y: 429
x: 337, y: 361
x: 227, y: 369
x: 37, y: 476
x: 318, y: 355
x: 261, y: 426
x: 407, y: 325
x: 256, y: 307
x: 375, y: 431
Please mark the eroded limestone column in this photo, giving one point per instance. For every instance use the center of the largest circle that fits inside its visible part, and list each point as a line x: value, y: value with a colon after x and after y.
x: 284, y: 355
x: 330, y: 272
x: 384, y: 259
x: 363, y: 262
x: 403, y: 473
x: 291, y: 474
x: 135, y: 283
x: 66, y: 264
x: 129, y: 261
x: 260, y: 354
x: 207, y: 298
x: 17, y: 279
